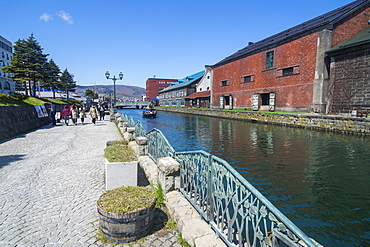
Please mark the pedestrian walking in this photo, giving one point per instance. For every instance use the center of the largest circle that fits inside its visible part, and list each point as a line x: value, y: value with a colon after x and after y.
x: 93, y: 113
x: 82, y: 114
x: 74, y: 114
x: 52, y: 114
x: 101, y: 112
x: 66, y: 113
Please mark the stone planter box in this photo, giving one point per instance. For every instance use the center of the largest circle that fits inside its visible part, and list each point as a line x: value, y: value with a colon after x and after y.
x: 120, y: 174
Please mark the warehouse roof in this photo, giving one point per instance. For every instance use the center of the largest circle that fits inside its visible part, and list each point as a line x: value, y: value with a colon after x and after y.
x: 319, y: 23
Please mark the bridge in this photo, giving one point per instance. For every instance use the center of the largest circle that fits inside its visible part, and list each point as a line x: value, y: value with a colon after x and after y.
x: 136, y: 104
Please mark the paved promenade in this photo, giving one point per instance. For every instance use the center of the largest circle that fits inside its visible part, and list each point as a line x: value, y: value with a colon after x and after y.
x: 50, y: 180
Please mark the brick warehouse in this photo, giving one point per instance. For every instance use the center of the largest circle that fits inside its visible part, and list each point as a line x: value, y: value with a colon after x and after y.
x: 288, y: 71
x: 154, y: 85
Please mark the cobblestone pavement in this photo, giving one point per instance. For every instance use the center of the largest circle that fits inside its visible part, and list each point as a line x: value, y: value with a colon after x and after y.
x: 50, y: 180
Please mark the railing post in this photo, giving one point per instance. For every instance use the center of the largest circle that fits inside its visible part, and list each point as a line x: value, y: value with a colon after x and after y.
x: 168, y: 174
x: 210, y: 204
x: 142, y: 143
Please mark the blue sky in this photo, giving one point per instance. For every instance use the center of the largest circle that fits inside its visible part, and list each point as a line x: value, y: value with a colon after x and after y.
x: 143, y: 38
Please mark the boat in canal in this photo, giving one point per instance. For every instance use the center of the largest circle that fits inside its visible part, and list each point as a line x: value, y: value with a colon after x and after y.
x: 150, y: 113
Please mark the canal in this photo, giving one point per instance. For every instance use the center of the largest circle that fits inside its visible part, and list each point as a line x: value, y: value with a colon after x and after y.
x: 319, y: 180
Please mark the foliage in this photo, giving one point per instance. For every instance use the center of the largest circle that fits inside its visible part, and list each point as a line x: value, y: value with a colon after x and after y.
x: 126, y: 199
x: 28, y: 63
x: 15, y: 99
x: 90, y: 93
x: 72, y: 101
x: 51, y: 77
x: 66, y: 82
x: 119, y: 152
x: 159, y: 195
x: 182, y: 241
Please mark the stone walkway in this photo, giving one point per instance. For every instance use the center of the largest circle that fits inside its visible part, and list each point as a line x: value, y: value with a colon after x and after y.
x: 50, y: 180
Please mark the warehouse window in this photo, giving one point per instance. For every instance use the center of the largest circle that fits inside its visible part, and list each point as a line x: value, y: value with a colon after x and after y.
x: 288, y: 71
x: 270, y: 59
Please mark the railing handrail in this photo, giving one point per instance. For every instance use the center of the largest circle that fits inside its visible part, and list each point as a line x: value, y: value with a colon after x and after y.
x: 204, y: 198
x: 139, y: 129
x: 300, y: 235
x: 158, y: 145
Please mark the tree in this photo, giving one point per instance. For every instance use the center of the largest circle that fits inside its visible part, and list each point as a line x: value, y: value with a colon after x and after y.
x: 67, y: 83
x: 51, y: 77
x: 28, y: 64
x: 90, y: 93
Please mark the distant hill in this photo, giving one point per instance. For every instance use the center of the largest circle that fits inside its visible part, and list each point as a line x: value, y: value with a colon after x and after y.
x: 122, y: 91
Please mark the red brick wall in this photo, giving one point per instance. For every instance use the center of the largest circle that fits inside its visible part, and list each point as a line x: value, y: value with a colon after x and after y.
x: 153, y: 86
x: 291, y: 91
x: 352, y: 25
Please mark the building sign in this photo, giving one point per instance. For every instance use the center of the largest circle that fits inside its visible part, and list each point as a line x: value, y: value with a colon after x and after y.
x: 41, y: 111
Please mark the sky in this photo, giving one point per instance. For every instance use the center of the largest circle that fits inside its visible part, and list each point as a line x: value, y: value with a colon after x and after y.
x: 147, y: 38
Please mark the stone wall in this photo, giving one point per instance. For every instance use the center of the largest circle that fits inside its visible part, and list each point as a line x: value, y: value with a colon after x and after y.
x: 15, y: 120
x: 347, y: 125
x: 350, y: 79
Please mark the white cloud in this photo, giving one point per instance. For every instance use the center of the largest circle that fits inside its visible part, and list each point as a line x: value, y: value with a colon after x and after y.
x: 65, y: 16
x: 45, y: 17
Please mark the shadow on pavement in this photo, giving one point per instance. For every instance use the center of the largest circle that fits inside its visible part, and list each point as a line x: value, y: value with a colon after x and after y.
x: 7, y: 159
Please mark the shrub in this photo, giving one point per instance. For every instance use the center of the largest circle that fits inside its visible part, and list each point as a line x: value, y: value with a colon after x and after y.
x: 20, y: 96
x: 3, y: 98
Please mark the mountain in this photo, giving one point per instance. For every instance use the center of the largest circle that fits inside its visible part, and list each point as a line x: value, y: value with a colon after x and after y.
x: 122, y: 91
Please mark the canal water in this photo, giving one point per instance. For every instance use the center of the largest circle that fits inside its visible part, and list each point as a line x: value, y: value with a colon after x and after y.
x: 319, y: 180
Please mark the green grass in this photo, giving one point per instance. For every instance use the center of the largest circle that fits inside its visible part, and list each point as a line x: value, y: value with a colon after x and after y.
x: 17, y: 99
x: 127, y: 199
x: 118, y: 151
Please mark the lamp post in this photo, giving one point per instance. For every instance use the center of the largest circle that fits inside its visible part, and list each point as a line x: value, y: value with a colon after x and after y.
x: 107, y: 74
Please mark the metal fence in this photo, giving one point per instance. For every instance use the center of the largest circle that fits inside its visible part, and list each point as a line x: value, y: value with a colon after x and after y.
x: 158, y: 145
x: 238, y: 212
x: 139, y: 129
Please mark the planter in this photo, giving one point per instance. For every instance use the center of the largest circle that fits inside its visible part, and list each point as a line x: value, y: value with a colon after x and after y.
x: 126, y: 227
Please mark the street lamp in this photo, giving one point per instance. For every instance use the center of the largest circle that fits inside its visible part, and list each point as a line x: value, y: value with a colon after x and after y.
x: 107, y: 74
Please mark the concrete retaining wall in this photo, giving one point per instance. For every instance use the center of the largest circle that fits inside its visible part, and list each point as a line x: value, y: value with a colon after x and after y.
x: 340, y: 124
x: 15, y: 120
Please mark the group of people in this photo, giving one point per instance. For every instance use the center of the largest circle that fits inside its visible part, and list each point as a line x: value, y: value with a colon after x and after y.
x: 73, y: 112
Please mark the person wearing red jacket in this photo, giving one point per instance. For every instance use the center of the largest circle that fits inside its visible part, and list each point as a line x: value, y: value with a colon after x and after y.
x: 66, y: 113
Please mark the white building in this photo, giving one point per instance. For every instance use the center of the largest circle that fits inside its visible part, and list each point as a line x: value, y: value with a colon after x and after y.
x: 6, y: 51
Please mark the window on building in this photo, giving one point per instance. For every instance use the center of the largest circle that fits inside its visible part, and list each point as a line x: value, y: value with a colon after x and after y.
x: 6, y: 86
x: 224, y: 83
x: 247, y: 78
x: 288, y: 71
x: 270, y: 59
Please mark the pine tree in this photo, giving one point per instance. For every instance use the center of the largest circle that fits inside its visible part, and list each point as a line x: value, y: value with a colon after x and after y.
x: 67, y: 83
x: 28, y: 63
x: 51, y: 77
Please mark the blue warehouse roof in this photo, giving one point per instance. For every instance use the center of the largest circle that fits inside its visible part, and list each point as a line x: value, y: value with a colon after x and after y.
x: 186, y: 81
x: 319, y: 23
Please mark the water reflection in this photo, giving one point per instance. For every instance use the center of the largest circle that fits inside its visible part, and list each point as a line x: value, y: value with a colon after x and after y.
x: 320, y: 180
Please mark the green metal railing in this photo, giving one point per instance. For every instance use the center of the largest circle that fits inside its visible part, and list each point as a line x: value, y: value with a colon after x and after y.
x: 139, y: 129
x: 158, y: 145
x: 238, y: 212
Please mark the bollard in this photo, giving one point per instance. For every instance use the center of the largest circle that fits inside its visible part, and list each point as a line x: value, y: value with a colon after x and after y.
x: 168, y: 174
x: 142, y: 143
x: 131, y: 133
